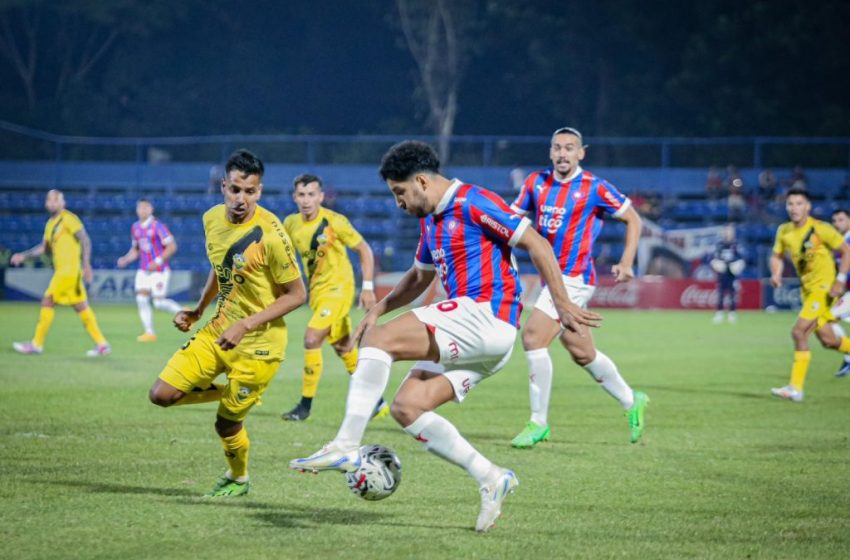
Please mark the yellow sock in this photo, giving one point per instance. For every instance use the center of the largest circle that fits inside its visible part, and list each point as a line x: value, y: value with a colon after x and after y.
x: 800, y: 369
x: 350, y: 361
x: 312, y: 372
x: 90, y: 323
x: 45, y: 318
x: 844, y: 347
x: 236, y: 452
x: 212, y: 393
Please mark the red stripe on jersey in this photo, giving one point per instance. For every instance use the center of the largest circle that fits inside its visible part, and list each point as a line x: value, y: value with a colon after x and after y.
x: 459, y: 258
x: 576, y: 224
x: 486, y: 269
x: 552, y: 237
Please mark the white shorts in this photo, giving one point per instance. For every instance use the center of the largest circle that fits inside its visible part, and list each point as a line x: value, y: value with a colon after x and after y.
x: 154, y: 282
x: 579, y: 292
x: 474, y: 344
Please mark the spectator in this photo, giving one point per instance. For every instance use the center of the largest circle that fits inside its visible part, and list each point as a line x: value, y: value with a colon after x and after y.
x: 798, y: 178
x: 735, y: 202
x: 713, y: 183
x: 767, y: 185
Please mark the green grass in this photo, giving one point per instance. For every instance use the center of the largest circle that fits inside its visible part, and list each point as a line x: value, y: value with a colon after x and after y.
x: 90, y: 469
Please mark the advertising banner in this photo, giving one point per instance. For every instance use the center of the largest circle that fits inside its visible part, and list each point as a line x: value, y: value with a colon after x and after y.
x: 107, y: 285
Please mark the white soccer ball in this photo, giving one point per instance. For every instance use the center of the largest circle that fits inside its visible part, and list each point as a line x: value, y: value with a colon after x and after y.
x: 378, y: 475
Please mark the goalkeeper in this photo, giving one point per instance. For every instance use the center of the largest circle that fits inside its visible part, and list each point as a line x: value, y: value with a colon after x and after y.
x: 728, y: 262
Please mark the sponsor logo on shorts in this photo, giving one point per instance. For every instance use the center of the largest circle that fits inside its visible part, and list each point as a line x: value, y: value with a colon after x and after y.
x: 261, y: 353
x: 244, y: 392
x: 454, y: 351
x: 325, y: 313
x: 467, y: 385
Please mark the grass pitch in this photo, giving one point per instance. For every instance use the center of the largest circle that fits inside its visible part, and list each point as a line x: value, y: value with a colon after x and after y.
x: 90, y: 469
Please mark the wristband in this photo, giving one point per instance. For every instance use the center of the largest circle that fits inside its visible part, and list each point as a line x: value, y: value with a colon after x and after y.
x: 368, y: 285
x: 158, y: 261
x: 841, y: 277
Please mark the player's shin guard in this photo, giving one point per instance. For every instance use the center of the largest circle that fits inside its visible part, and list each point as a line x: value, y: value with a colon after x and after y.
x: 90, y: 323
x: 45, y: 319
x: 236, y: 452
x: 350, y: 360
x: 145, y: 312
x: 539, y: 384
x: 366, y: 387
x: 604, y: 371
x: 165, y: 304
x: 443, y: 440
x: 312, y: 372
x: 800, y: 368
x: 198, y: 396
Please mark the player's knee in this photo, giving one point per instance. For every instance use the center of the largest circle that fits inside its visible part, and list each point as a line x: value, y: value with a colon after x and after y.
x: 226, y: 428
x: 312, y: 341
x: 581, y: 357
x: 532, y: 339
x: 162, y: 398
x: 404, y: 412
x: 798, y: 334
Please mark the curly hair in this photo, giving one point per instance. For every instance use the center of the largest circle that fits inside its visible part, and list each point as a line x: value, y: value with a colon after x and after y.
x: 408, y: 157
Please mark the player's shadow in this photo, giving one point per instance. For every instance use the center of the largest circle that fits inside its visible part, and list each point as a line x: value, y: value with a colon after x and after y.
x: 707, y: 390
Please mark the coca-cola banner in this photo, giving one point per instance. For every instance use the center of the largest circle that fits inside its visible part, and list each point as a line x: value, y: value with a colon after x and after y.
x: 656, y: 292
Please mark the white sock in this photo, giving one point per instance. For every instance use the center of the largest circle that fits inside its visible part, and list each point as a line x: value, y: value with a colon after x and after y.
x: 539, y: 384
x: 365, y: 388
x: 605, y: 372
x: 443, y: 440
x: 164, y: 304
x: 145, y: 312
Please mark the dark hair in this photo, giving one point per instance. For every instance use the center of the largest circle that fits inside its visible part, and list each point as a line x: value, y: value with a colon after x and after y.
x: 408, y: 157
x: 841, y: 211
x: 144, y: 199
x: 246, y: 162
x: 798, y: 191
x: 306, y: 178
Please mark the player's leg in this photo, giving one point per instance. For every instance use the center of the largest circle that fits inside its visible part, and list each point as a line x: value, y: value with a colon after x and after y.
x: 188, y: 376
x: 247, y: 380
x: 159, y: 289
x: 89, y: 320
x: 718, y: 314
x: 803, y: 327
x: 838, y: 330
x: 340, y: 339
x: 537, y: 333
x: 413, y: 408
x: 733, y: 306
x: 405, y: 337
x: 313, y: 366
x: 143, y: 303
x: 45, y: 319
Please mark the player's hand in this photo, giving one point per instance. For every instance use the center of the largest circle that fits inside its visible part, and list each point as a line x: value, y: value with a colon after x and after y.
x: 368, y: 322
x: 367, y: 299
x: 17, y: 259
x: 837, y: 289
x: 184, y: 320
x: 775, y: 281
x: 152, y: 266
x: 88, y: 275
x: 575, y: 318
x: 233, y: 335
x: 122, y: 262
x: 622, y: 273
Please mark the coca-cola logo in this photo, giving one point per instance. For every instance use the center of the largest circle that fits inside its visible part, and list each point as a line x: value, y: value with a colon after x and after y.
x: 694, y: 296
x: 618, y: 295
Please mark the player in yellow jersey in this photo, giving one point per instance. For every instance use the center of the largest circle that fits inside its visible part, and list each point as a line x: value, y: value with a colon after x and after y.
x: 66, y: 240
x: 256, y: 280
x: 321, y: 237
x: 810, y: 243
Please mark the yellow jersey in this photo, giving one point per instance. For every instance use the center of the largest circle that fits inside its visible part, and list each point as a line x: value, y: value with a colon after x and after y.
x: 60, y: 235
x: 251, y: 261
x: 321, y: 242
x: 810, y: 248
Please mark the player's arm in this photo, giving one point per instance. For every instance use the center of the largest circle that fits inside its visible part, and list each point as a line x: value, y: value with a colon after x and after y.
x: 367, y: 266
x: 35, y: 251
x: 843, y: 267
x: 624, y: 271
x: 414, y: 282
x: 129, y: 256
x: 294, y: 295
x: 184, y: 320
x: 777, y: 264
x: 572, y: 316
x: 85, y: 243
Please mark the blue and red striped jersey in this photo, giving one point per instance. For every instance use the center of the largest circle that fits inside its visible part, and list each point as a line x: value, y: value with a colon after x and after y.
x: 468, y: 240
x: 150, y: 239
x: 569, y: 214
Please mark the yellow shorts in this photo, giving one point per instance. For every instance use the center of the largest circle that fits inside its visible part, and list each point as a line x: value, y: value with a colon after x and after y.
x: 330, y: 311
x: 816, y: 306
x: 200, y: 361
x: 67, y: 289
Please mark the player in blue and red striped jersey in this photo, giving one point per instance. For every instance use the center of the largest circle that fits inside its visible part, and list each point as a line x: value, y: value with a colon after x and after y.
x: 466, y: 238
x: 841, y: 310
x: 153, y: 245
x: 568, y: 204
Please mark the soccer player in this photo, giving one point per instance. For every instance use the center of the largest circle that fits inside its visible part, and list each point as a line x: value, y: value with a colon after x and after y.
x: 567, y: 203
x: 66, y: 240
x: 728, y: 262
x: 466, y: 236
x: 153, y: 245
x: 256, y: 281
x: 809, y: 243
x: 841, y: 310
x: 321, y: 237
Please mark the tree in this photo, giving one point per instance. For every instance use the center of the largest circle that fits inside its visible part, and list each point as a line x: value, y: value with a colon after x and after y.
x: 438, y: 35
